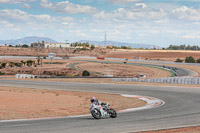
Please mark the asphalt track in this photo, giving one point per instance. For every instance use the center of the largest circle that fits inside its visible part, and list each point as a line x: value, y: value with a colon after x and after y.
x: 182, y: 108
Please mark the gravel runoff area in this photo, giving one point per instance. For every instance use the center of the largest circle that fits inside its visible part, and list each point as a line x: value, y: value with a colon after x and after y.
x: 24, y: 103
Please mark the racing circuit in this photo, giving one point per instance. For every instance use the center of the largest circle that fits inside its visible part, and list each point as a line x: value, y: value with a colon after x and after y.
x: 181, y: 109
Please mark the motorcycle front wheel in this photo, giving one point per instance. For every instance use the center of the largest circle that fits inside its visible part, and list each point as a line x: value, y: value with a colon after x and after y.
x: 113, y: 113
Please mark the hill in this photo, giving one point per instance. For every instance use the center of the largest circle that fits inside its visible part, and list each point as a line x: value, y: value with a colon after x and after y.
x: 26, y: 40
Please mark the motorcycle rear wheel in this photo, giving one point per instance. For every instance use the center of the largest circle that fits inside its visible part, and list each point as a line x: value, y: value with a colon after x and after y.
x: 96, y: 113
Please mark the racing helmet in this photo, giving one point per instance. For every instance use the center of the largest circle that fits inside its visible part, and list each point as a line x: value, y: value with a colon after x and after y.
x: 93, y: 99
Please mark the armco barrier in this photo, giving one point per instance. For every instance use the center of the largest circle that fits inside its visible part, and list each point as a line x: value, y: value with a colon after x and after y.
x: 170, y: 80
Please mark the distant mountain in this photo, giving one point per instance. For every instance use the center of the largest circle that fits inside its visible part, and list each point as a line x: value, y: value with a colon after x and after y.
x: 119, y: 44
x: 26, y: 40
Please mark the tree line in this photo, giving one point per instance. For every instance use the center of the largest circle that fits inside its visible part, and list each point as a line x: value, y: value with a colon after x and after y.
x: 188, y: 59
x: 183, y: 47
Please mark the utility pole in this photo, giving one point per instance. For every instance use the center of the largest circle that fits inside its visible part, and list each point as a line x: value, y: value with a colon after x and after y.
x: 41, y: 60
x: 105, y: 40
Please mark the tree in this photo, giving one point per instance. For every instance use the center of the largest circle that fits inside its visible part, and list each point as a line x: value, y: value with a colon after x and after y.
x: 85, y: 73
x: 24, y: 46
x: 11, y: 64
x: 92, y: 47
x: 124, y: 47
x: 38, y: 60
x: 29, y: 63
x: 18, y: 64
x: 1, y: 73
x: 179, y: 60
x: 3, y: 65
x: 23, y: 62
x: 189, y: 59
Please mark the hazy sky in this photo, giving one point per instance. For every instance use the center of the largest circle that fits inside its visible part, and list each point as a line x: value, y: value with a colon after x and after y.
x: 157, y: 22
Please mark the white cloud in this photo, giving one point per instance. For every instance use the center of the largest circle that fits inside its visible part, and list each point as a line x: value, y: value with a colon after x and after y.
x: 124, y: 1
x: 142, y: 5
x: 17, y: 15
x: 78, y: 33
x: 14, y: 1
x: 187, y: 14
x: 5, y: 23
x: 67, y: 7
x: 26, y: 6
x: 139, y: 11
x: 191, y: 36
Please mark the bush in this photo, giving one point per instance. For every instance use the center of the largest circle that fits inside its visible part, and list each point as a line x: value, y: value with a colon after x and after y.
x: 85, y: 73
x: 198, y: 60
x: 24, y: 46
x: 1, y: 73
x: 3, y: 65
x: 189, y: 59
x: 29, y: 63
x: 179, y: 60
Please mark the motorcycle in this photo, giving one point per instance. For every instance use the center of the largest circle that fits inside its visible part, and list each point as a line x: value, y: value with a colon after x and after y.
x: 102, y: 111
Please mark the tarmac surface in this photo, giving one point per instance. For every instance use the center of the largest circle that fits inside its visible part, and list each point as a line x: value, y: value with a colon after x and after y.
x: 181, y: 109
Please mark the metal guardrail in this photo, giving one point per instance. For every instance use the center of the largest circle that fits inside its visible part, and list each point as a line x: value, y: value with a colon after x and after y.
x: 170, y: 80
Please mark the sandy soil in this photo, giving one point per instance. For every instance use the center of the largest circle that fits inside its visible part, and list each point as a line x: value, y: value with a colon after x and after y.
x: 160, y: 55
x: 18, y: 103
x: 178, y: 130
x: 121, y: 70
x: 61, y: 52
x: 63, y: 69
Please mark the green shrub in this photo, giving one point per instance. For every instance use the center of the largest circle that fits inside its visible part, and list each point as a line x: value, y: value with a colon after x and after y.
x: 29, y: 63
x: 179, y: 60
x: 85, y: 73
x: 3, y: 65
x: 189, y: 59
x: 198, y: 60
x: 1, y: 73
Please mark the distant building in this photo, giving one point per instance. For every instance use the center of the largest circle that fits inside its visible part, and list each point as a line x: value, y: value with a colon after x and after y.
x: 38, y: 44
x: 57, y: 45
x: 50, y: 45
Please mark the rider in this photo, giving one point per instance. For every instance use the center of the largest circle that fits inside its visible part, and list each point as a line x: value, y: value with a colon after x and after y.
x: 95, y: 101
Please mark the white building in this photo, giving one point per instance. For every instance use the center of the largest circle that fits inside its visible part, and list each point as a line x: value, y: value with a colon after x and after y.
x: 57, y: 45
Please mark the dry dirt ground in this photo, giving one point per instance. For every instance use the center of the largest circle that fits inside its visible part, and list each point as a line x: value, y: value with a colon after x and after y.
x: 121, y: 70
x: 159, y: 55
x: 178, y: 130
x: 61, y: 52
x: 63, y: 69
x: 19, y: 103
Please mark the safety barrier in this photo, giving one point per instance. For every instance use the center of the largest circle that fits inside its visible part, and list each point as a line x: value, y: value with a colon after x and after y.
x: 24, y: 76
x: 170, y: 80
